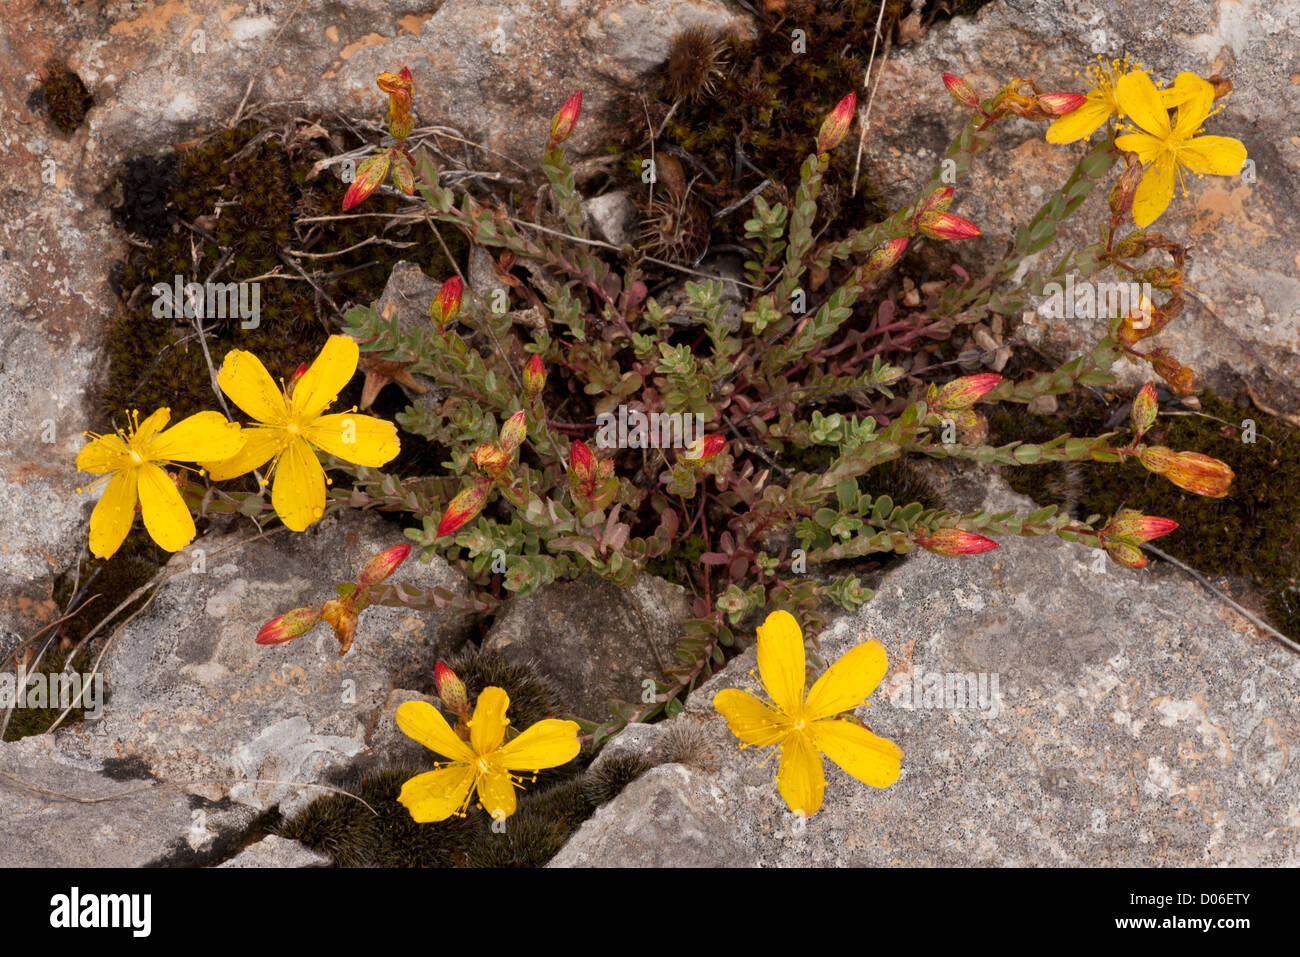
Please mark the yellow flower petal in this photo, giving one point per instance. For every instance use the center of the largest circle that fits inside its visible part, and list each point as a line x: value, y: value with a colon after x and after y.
x: 487, y: 727
x: 781, y: 660
x: 1184, y: 85
x: 1154, y: 193
x: 113, y: 514
x: 496, y: 792
x: 847, y: 683
x: 260, y: 446
x: 1081, y: 123
x: 1218, y: 155
x: 150, y: 427
x: 207, y: 435
x: 1193, y: 110
x: 359, y: 439
x: 801, y: 779
x: 298, y: 492
x: 321, y: 384
x: 868, y: 757
x: 547, y: 744
x: 749, y: 719
x: 166, y: 516
x: 1147, y: 147
x: 1140, y: 100
x: 104, y: 454
x: 249, y: 385
x: 423, y: 722
x: 437, y: 795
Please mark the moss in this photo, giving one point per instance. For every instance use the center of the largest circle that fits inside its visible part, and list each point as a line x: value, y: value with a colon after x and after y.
x: 246, y: 191
x: 1252, y: 533
x: 63, y: 97
x: 28, y: 721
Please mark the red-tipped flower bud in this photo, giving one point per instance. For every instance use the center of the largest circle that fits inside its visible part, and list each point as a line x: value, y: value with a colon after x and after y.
x: 298, y: 373
x: 964, y: 392
x: 938, y: 224
x: 836, y: 125
x: 565, y: 119
x: 961, y: 91
x: 1059, y: 104
x: 953, y: 542
x: 446, y: 304
x: 582, y: 464
x: 885, y: 256
x: 451, y: 690
x: 1145, y: 409
x: 288, y: 626
x: 1130, y: 525
x: 513, y: 432
x: 382, y: 565
x: 534, y: 376
x: 467, y: 504
x: 370, y: 176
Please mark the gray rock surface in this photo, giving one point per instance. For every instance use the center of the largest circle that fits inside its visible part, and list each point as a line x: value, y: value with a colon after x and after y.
x: 1137, y: 721
x: 272, y: 851
x: 1243, y: 314
x: 58, y: 810
x: 594, y: 640
x: 231, y: 726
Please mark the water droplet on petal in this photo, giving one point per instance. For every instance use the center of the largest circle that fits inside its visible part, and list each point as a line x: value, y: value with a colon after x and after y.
x: 318, y: 512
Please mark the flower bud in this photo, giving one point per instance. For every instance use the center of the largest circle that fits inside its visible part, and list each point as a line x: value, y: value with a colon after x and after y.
x: 1145, y: 409
x: 534, y: 376
x: 1130, y: 525
x: 370, y: 176
x: 943, y: 225
x: 513, y: 432
x: 937, y: 201
x: 964, y: 392
x: 451, y: 690
x: 582, y: 464
x: 382, y: 565
x: 1130, y: 556
x: 1059, y: 104
x: 836, y: 125
x: 298, y: 373
x: 467, y: 504
x: 961, y: 91
x: 885, y: 257
x: 565, y: 119
x: 288, y: 626
x: 952, y: 542
x: 446, y: 304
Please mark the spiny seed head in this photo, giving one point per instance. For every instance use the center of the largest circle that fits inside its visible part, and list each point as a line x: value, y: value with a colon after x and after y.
x: 695, y: 63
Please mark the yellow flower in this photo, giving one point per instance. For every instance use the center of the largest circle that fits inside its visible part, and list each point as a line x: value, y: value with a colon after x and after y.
x: 133, y: 459
x: 1167, y: 150
x: 1100, y: 106
x: 806, y: 728
x: 289, y: 427
x: 483, y: 764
